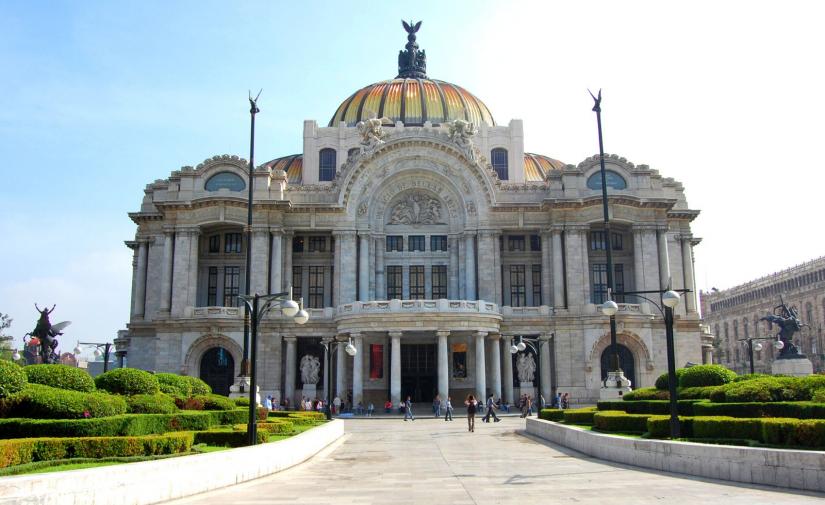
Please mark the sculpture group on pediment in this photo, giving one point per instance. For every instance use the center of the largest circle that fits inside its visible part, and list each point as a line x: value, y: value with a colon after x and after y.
x: 416, y: 208
x: 372, y: 133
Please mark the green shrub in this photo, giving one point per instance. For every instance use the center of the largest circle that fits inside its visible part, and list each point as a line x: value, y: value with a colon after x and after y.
x: 749, y: 376
x: 818, y: 396
x: 727, y: 427
x: 646, y: 394
x: 12, y: 378
x: 797, y: 410
x: 60, y: 377
x: 198, y: 386
x: 659, y: 426
x: 128, y: 381
x: 228, y: 438
x: 318, y: 416
x: 705, y: 375
x: 551, y: 414
x: 579, y: 416
x: 151, y: 404
x: 698, y: 393
x: 685, y: 407
x: 662, y: 382
x: 242, y: 402
x: 794, y: 432
x: 616, y: 420
x: 807, y: 386
x: 764, y: 389
x: 236, y: 416
x: 27, y: 450
x: 174, y: 384
x: 123, y: 425
x: 215, y: 402
x: 282, y: 427
x: 44, y: 402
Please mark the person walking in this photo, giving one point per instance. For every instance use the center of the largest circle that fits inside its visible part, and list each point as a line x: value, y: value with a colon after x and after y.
x: 437, y: 406
x: 525, y: 408
x: 565, y: 401
x: 336, y: 403
x: 448, y: 409
x: 370, y: 409
x: 471, y: 404
x: 491, y: 405
x: 408, y: 410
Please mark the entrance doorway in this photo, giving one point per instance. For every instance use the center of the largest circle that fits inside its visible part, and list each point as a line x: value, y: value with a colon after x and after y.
x: 218, y: 370
x: 418, y: 372
x: 625, y: 361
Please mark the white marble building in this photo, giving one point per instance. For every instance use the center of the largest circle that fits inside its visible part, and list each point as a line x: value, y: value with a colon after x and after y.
x: 431, y: 247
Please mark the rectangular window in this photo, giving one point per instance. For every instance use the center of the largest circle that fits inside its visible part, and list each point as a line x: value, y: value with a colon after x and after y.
x: 535, y: 243
x: 215, y: 244
x: 231, y: 285
x: 616, y: 239
x: 515, y: 242
x: 212, y: 287
x: 316, y: 287
x: 297, y: 283
x: 417, y: 291
x: 599, y: 286
x: 298, y: 244
x: 597, y: 241
x: 232, y: 243
x: 395, y: 243
x: 518, y: 292
x: 416, y: 242
x: 394, y: 280
x: 439, y: 281
x: 438, y: 243
x: 536, y: 285
x: 317, y: 244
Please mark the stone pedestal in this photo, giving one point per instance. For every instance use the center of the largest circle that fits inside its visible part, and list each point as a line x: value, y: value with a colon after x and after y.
x: 615, y: 386
x: 310, y: 391
x: 241, y: 389
x: 795, y: 367
x: 527, y: 388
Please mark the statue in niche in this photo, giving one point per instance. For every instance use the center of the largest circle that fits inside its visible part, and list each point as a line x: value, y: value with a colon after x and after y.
x: 416, y: 208
x: 310, y: 369
x: 526, y: 366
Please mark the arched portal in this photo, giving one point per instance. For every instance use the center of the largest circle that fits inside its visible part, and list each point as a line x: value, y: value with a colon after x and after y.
x: 217, y: 369
x: 626, y: 361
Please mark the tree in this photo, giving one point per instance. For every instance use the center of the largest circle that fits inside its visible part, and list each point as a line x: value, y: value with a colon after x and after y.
x: 6, y: 346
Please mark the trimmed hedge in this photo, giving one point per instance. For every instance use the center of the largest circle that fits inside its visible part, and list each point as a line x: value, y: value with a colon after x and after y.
x: 765, y: 389
x: 124, y: 425
x: 819, y: 396
x: 698, y: 393
x: 12, y: 378
x: 242, y: 402
x: 663, y: 384
x: 216, y: 402
x: 318, y: 416
x: 659, y: 426
x: 198, y: 386
x: 174, y: 384
x: 646, y: 394
x: 60, y: 377
x: 27, y: 450
x: 128, y: 381
x: 282, y: 427
x: 685, y: 407
x: 794, y: 432
x: 236, y: 416
x: 705, y: 375
x: 44, y: 402
x: 551, y: 414
x: 579, y: 416
x: 228, y: 438
x: 808, y: 433
x: 727, y: 427
x: 151, y: 404
x: 616, y: 420
x: 797, y: 410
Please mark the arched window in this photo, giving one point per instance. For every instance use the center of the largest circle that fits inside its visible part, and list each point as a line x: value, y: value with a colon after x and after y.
x: 498, y: 157
x: 745, y: 327
x: 614, y: 180
x: 809, y: 313
x: 225, y: 180
x: 326, y: 165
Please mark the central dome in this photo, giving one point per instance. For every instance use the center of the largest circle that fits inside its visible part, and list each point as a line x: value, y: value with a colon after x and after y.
x: 412, y: 97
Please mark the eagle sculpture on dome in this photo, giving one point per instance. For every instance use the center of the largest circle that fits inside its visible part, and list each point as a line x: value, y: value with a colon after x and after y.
x: 412, y: 63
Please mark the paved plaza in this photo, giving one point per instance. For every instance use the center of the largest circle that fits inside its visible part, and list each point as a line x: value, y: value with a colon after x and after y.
x: 384, y: 461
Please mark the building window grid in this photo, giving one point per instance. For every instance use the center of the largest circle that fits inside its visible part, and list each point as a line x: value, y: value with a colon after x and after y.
x: 535, y: 243
x: 298, y: 244
x: 500, y: 163
x: 215, y: 244
x: 394, y: 282
x: 317, y: 244
x: 518, y: 290
x: 439, y: 281
x: 212, y: 287
x: 316, y: 287
x: 395, y: 243
x: 326, y: 165
x: 515, y: 243
x: 537, y: 285
x: 416, y: 243
x: 599, y: 275
x: 231, y: 286
x: 417, y: 288
x: 232, y: 243
x: 598, y: 242
x: 438, y: 243
x: 297, y: 282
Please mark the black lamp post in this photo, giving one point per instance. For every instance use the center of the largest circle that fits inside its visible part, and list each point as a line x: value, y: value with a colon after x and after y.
x: 253, y: 109
x: 107, y: 347
x: 329, y: 346
x: 257, y: 306
x: 758, y: 346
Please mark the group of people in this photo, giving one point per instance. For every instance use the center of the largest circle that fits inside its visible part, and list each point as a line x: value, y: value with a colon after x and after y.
x: 561, y: 401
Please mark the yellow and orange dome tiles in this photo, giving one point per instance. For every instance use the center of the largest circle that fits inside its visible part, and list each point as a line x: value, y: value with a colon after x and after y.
x: 536, y: 167
x: 412, y: 101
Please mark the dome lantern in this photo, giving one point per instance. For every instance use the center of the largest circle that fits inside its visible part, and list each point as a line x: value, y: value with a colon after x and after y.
x: 412, y: 63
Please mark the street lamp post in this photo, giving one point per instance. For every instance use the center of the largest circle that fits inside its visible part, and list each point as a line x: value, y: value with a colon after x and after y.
x: 253, y: 109
x: 257, y: 307
x: 107, y: 347
x: 329, y: 346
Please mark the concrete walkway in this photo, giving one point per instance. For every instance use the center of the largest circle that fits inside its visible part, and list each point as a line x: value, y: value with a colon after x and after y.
x: 432, y: 461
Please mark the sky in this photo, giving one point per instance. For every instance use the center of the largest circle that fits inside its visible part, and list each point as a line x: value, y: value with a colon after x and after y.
x: 98, y: 99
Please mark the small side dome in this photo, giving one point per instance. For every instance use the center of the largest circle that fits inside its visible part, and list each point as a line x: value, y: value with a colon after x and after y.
x: 292, y: 165
x: 538, y: 166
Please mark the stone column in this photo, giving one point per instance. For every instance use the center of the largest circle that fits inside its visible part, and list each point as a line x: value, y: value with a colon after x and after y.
x: 495, y: 362
x: 291, y: 369
x: 185, y: 279
x: 558, y: 269
x: 499, y: 299
x: 507, y: 389
x: 664, y: 261
x: 336, y: 262
x: 443, y: 364
x: 346, y: 271
x: 140, y: 280
x: 489, y: 276
x: 286, y: 251
x: 341, y: 372
x: 470, y: 266
x: 276, y: 263
x: 166, y: 270
x: 577, y: 276
x: 357, y: 369
x: 638, y: 262
x: 395, y: 368
x: 326, y: 371
x: 452, y: 274
x: 544, y: 380
x: 481, y: 367
x: 259, y: 275
x: 650, y: 259
x: 380, y: 282
x: 687, y: 271
x: 363, y: 268
x: 546, y: 265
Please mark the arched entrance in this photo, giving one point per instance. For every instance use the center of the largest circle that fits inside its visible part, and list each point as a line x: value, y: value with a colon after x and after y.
x: 218, y: 369
x: 626, y: 361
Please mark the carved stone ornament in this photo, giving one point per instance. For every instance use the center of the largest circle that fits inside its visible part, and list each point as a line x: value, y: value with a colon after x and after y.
x: 362, y: 209
x: 372, y: 133
x: 471, y: 208
x: 416, y: 208
x: 526, y: 366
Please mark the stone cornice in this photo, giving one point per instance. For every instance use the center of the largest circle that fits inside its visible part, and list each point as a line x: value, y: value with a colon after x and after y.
x: 596, y: 200
x: 683, y: 214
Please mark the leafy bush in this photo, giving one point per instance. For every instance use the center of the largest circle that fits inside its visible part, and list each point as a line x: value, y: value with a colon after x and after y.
x: 818, y: 396
x: 579, y: 416
x: 228, y: 438
x: 685, y: 407
x: 794, y: 432
x: 705, y: 375
x: 765, y: 389
x: 659, y: 426
x: 318, y: 416
x: 173, y: 384
x: 60, y: 377
x: 123, y: 425
x: 616, y: 420
x: 27, y: 450
x: 128, y: 381
x: 749, y: 376
x: 198, y: 386
x: 646, y: 394
x: 727, y: 427
x: 662, y: 382
x: 242, y: 402
x: 807, y: 386
x: 236, y: 416
x: 797, y: 410
x: 697, y: 393
x: 279, y: 426
x: 12, y: 378
x: 549, y: 414
x: 215, y: 402
x: 44, y: 402
x: 151, y: 404
x: 193, y: 403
